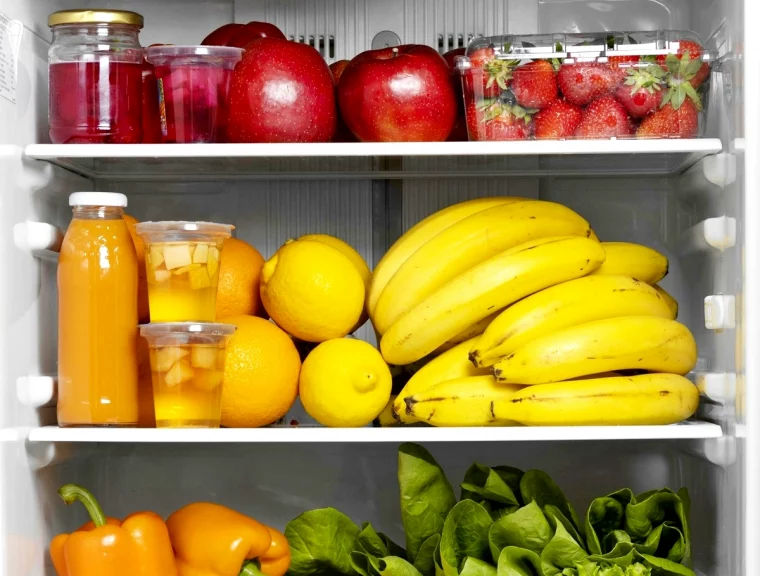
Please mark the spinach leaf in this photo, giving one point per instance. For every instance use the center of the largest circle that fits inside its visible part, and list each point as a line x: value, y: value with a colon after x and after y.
x: 537, y: 485
x: 527, y: 528
x: 321, y: 542
x: 515, y: 561
x: 426, y: 496
x: 562, y: 552
x: 395, y: 566
x: 364, y: 564
x: 425, y: 560
x: 465, y: 533
x: 496, y: 488
x: 663, y: 567
x: 370, y: 542
x: 475, y: 567
x: 604, y: 515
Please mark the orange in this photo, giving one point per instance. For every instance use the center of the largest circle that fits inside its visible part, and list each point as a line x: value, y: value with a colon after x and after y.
x: 239, y: 278
x: 143, y: 313
x: 260, y: 373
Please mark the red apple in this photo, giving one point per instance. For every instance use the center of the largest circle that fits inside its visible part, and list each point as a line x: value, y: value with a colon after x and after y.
x: 281, y: 92
x: 337, y: 69
x: 400, y: 94
x: 253, y: 31
x: 221, y: 35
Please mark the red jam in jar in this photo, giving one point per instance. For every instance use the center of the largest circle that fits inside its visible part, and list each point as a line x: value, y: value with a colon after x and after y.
x: 96, y: 77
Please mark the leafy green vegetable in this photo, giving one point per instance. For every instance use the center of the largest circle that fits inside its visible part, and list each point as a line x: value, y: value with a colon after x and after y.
x: 605, y: 515
x: 475, y: 567
x: 536, y: 485
x: 426, y: 496
x: 425, y: 560
x: 661, y: 508
x: 370, y: 542
x: 562, y: 552
x: 321, y: 542
x: 496, y: 488
x: 465, y: 533
x: 663, y: 567
x: 527, y: 528
x: 395, y: 566
x: 554, y: 515
x: 518, y: 562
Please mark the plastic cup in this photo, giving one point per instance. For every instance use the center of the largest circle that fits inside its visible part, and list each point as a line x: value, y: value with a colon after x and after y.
x: 187, y: 369
x: 193, y: 91
x: 182, y: 264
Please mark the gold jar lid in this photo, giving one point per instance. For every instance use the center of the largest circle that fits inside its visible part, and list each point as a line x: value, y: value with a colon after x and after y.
x: 96, y: 16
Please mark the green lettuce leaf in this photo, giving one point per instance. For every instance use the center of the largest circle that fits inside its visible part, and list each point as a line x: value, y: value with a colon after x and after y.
x: 605, y: 515
x: 465, y: 533
x: 426, y: 496
x: 498, y: 488
x: 664, y: 514
x: 561, y: 553
x: 537, y: 485
x: 554, y: 515
x: 475, y: 567
x: 321, y: 542
x: 515, y: 561
x: 527, y: 528
x: 425, y: 560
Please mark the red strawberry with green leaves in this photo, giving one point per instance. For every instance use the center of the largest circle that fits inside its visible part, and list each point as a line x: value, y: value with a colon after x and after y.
x: 495, y: 73
x: 620, y: 66
x: 671, y: 122
x: 534, y: 84
x: 583, y: 82
x: 559, y: 120
x: 496, y: 120
x: 642, y: 90
x: 690, y: 51
x: 605, y: 117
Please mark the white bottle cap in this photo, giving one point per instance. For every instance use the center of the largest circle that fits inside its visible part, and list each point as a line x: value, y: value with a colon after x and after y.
x: 98, y: 199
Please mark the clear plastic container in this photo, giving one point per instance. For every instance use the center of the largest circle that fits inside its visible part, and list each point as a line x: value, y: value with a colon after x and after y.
x: 569, y: 86
x: 182, y: 265
x: 95, y: 77
x: 193, y: 91
x: 187, y: 368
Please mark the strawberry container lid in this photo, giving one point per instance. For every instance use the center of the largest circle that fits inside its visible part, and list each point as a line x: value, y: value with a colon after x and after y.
x: 582, y: 47
x: 220, y: 55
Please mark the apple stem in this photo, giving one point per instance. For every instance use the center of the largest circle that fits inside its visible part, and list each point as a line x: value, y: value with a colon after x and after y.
x: 395, y: 52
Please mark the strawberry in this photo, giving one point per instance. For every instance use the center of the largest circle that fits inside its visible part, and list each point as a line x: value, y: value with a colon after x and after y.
x: 690, y: 51
x: 559, y: 120
x: 495, y: 120
x: 641, y: 91
x: 495, y: 73
x: 671, y: 122
x: 604, y: 118
x: 620, y: 65
x: 534, y: 84
x: 582, y: 82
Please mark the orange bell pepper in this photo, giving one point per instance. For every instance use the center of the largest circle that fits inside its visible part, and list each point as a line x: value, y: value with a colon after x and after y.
x: 213, y: 540
x: 138, y: 546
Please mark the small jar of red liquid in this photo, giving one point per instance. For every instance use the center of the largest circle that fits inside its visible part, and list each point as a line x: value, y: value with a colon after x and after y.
x: 96, y: 69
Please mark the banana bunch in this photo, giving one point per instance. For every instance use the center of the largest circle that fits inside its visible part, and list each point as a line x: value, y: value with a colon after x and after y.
x: 532, y: 318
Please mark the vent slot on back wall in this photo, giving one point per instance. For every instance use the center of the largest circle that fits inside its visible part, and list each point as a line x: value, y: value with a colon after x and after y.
x: 340, y: 29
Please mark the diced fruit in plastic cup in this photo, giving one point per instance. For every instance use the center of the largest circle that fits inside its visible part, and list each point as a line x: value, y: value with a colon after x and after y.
x: 187, y: 368
x: 193, y: 90
x: 182, y: 265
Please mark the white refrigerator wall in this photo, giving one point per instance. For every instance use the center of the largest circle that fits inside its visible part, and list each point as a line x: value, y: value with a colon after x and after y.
x: 667, y: 212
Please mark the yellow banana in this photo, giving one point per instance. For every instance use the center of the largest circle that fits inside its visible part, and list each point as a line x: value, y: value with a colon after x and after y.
x: 489, y: 286
x: 460, y: 402
x: 565, y: 305
x: 418, y: 235
x: 669, y: 300
x: 635, y: 260
x: 449, y: 365
x: 466, y: 244
x: 468, y: 333
x: 647, y: 399
x: 631, y: 342
x: 386, y: 418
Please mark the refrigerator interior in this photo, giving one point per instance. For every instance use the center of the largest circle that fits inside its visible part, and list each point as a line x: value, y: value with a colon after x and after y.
x: 694, y: 204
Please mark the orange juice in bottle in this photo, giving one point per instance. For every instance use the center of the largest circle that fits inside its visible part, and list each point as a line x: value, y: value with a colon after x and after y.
x: 97, y: 315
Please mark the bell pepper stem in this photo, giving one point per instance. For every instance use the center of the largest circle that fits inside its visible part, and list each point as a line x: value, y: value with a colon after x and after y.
x: 250, y: 568
x: 72, y: 493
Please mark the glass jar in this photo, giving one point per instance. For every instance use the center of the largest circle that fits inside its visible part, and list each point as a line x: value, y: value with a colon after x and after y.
x: 95, y: 71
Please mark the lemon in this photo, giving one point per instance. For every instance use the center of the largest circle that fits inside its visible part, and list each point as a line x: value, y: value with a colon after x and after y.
x: 312, y: 291
x: 344, y: 383
x: 350, y: 252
